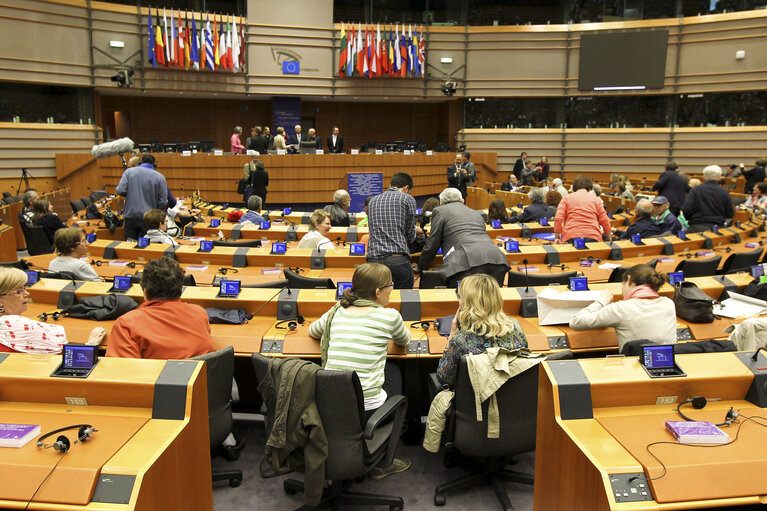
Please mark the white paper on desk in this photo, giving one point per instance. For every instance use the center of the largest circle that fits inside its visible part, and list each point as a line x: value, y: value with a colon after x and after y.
x: 556, y: 308
x: 609, y: 266
x: 738, y: 306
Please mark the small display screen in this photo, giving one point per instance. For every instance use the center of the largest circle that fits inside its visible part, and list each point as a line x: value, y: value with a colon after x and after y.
x: 715, y: 228
x: 143, y: 242
x: 279, y: 247
x: 756, y: 271
x: 230, y: 287
x: 266, y: 225
x: 674, y: 277
x: 682, y: 235
x: 579, y: 284
x: 579, y: 243
x: 495, y: 224
x: 122, y: 283
x: 440, y: 250
x: 357, y: 249
x: 341, y: 287
x: 79, y: 357
x: 215, y: 222
x: 206, y: 246
x: 512, y: 246
x: 636, y: 239
x: 654, y: 357
x: 419, y: 211
x: 287, y: 211
x: 543, y: 221
x: 32, y: 277
x: 91, y: 237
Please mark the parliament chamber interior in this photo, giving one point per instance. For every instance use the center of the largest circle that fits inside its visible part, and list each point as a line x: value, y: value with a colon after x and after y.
x: 383, y: 255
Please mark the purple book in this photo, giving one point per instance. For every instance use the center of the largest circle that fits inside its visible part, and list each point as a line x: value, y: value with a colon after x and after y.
x: 16, y: 435
x: 696, y: 432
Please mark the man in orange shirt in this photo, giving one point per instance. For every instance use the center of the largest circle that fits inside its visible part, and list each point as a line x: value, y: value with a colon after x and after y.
x: 163, y: 327
x: 580, y: 214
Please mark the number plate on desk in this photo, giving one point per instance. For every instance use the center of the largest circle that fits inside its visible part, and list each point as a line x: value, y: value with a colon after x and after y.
x: 558, y: 342
x: 271, y: 347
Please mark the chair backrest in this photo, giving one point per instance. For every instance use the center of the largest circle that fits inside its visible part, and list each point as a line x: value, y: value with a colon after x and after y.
x: 220, y: 371
x: 246, y: 243
x: 430, y: 279
x: 36, y: 239
x: 518, y: 279
x: 21, y: 264
x: 741, y: 261
x: 77, y: 205
x: 634, y: 348
x: 296, y: 281
x: 189, y: 280
x: 86, y: 200
x: 276, y: 284
x: 702, y: 268
x: 518, y: 411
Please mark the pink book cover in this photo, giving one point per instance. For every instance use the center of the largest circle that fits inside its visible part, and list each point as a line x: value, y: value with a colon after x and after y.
x: 697, y: 432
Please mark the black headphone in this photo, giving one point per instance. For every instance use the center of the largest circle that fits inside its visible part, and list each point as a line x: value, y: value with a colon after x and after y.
x: 590, y: 259
x: 561, y: 266
x: 699, y: 402
x: 54, y: 315
x: 423, y: 324
x: 296, y: 269
x: 62, y: 443
x: 224, y: 270
x: 292, y: 323
x: 96, y: 262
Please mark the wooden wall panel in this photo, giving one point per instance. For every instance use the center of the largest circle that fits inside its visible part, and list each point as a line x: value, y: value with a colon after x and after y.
x: 695, y: 148
x: 617, y: 150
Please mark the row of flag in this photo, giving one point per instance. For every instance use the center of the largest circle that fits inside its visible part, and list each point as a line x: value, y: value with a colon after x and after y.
x: 180, y: 45
x: 365, y: 52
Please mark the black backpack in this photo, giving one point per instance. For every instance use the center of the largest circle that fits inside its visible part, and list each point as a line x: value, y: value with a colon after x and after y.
x: 92, y: 212
x: 756, y: 290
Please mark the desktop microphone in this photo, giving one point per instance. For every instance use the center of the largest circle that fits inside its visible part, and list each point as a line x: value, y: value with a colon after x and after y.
x: 527, y: 278
x: 275, y: 295
x: 755, y: 356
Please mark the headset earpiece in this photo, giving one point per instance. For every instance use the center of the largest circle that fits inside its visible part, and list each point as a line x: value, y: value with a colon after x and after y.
x: 85, y: 433
x: 292, y: 323
x: 61, y: 444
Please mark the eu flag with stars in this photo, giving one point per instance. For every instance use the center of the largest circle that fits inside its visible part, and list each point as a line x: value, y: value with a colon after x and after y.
x: 292, y: 67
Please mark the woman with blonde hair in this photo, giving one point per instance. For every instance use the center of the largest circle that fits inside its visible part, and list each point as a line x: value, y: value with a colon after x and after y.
x: 319, y: 227
x: 479, y: 324
x: 279, y: 139
x: 19, y: 333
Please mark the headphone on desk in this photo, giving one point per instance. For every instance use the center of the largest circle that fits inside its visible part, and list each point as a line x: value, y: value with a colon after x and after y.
x: 57, y: 315
x: 699, y: 402
x: 223, y: 270
x: 97, y: 262
x: 292, y: 323
x: 425, y: 325
x: 62, y: 443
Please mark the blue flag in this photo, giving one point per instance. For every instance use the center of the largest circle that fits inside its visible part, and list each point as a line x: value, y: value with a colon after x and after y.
x: 150, y: 29
x: 291, y: 67
x: 194, y: 51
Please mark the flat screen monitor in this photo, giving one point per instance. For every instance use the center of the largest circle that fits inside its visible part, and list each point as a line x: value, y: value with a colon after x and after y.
x: 279, y: 247
x: 121, y: 284
x: 675, y: 276
x: 656, y: 357
x: 356, y: 249
x: 142, y: 242
x: 341, y: 287
x: 306, y: 147
x: 215, y: 222
x: 229, y: 288
x: 579, y: 284
x: 206, y: 246
x: 264, y: 226
x: 495, y: 224
x: 91, y: 237
x: 32, y: 277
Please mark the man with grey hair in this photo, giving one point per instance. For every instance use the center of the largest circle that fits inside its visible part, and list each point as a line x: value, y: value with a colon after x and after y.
x: 253, y: 215
x: 708, y: 204
x: 27, y: 198
x: 466, y: 247
x: 339, y: 210
x: 536, y: 210
x: 559, y: 188
x: 644, y: 225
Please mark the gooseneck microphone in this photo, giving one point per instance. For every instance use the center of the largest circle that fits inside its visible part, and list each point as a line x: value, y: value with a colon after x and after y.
x: 755, y: 356
x: 527, y: 278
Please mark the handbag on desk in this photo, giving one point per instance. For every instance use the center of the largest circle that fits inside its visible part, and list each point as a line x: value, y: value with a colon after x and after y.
x: 692, y: 303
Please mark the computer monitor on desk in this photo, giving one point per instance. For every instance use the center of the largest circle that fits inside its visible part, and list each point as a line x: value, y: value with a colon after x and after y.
x: 307, y: 147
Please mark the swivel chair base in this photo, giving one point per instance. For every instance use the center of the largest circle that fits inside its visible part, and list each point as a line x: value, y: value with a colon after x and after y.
x: 337, y: 493
x: 494, y: 474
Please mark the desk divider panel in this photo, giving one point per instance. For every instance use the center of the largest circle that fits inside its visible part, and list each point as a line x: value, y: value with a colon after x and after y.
x: 67, y: 294
x: 170, y: 252
x: 668, y: 247
x: 574, y: 390
x: 240, y: 258
x: 287, y: 304
x: 189, y: 228
x: 552, y: 255
x: 410, y: 304
x: 236, y: 232
x: 170, y: 389
x: 757, y: 392
x: 351, y: 235
x: 109, y: 250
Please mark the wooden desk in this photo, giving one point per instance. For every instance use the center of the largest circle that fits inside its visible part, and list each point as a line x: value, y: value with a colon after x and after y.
x: 597, y: 416
x: 146, y: 430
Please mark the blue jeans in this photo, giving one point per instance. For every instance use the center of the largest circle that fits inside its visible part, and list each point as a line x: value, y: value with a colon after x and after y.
x: 401, y: 271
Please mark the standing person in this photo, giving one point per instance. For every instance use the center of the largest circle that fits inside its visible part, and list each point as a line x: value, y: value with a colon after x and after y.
x: 458, y: 175
x: 311, y: 136
x: 249, y: 140
x: 673, y: 186
x: 143, y: 188
x: 71, y: 244
x: 519, y: 165
x: 254, y: 173
x: 466, y: 248
x: 544, y: 169
x: 471, y: 170
x: 43, y: 215
x: 335, y: 142
x: 339, y: 210
x: 295, y: 138
x: 269, y: 139
x: 754, y: 175
x: 580, y: 214
x: 279, y: 139
x: 708, y: 204
x: 235, y: 140
x: 391, y: 222
x: 527, y: 174
x: 259, y: 142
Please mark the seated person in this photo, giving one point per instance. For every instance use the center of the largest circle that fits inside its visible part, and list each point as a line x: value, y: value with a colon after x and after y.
x: 178, y: 216
x: 19, y: 333
x: 536, y: 210
x: 354, y: 336
x: 619, y: 189
x: 480, y: 323
x: 642, y: 314
x: 511, y: 185
x: 757, y: 201
x: 662, y: 215
x: 162, y: 327
x: 644, y: 225
x: 364, y: 221
x: 253, y: 215
x: 71, y: 245
x: 44, y: 216
x: 496, y: 210
x: 339, y: 210
x: 427, y: 211
x: 156, y: 224
x: 27, y: 199
x: 319, y: 227
x: 553, y: 198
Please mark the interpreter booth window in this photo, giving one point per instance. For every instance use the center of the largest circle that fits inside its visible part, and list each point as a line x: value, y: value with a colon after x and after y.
x: 23, y: 102
x: 492, y: 113
x: 748, y: 108
x: 619, y: 111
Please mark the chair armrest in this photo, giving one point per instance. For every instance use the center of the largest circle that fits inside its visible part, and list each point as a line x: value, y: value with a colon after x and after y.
x: 392, y: 405
x: 434, y: 386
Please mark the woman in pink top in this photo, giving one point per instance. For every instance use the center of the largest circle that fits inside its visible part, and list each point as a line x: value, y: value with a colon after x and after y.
x: 580, y: 214
x: 236, y: 144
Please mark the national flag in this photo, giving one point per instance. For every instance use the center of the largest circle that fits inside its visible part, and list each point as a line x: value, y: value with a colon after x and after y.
x: 187, y: 43
x: 366, y: 63
x: 422, y: 53
x: 209, y: 47
x: 216, y: 39
x: 181, y: 43
x: 403, y: 53
x: 222, y: 47
x: 359, y: 60
x: 397, y: 47
x: 150, y: 32
x: 242, y: 46
x: 384, y: 53
x: 416, y: 64
x: 342, y: 57
x: 165, y: 38
x: 377, y: 52
x: 235, y: 47
x: 194, y: 52
x: 173, y: 41
x: 229, y: 50
x: 159, y: 46
x: 390, y: 52
x: 351, y: 51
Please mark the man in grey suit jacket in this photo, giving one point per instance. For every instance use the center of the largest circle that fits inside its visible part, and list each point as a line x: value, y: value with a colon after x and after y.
x: 466, y: 247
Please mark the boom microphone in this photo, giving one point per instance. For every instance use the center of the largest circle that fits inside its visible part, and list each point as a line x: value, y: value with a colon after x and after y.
x: 119, y: 146
x: 527, y: 278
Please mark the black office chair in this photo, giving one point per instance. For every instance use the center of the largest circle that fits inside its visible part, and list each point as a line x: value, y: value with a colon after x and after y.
x: 7, y: 195
x: 430, y: 279
x: 244, y: 243
x: 518, y: 409
x: 634, y: 348
x: 220, y: 372
x: 617, y: 274
x: 21, y: 264
x: 189, y: 280
x: 276, y: 284
x: 518, y: 279
x: 86, y: 200
x: 77, y: 206
x: 36, y: 239
x: 741, y: 261
x: 296, y: 281
x: 355, y: 446
x: 702, y: 268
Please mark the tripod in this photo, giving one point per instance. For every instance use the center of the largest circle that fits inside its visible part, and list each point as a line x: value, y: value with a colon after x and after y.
x: 25, y: 175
